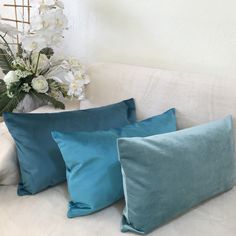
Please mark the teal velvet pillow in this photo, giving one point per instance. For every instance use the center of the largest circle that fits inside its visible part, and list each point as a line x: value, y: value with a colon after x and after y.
x: 166, y: 175
x: 93, y: 170
x: 41, y: 164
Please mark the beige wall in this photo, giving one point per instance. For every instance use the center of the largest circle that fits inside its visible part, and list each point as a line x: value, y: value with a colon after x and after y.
x: 186, y: 35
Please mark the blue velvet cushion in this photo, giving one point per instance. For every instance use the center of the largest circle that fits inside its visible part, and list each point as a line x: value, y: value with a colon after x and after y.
x: 93, y: 170
x: 166, y: 175
x: 41, y: 164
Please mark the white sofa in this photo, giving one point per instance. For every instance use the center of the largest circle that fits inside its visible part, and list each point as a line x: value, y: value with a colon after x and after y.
x: 197, y: 98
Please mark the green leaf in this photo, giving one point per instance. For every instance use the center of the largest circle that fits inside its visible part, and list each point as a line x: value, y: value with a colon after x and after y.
x: 48, y: 52
x: 5, y: 61
x: 3, y: 87
x: 20, y: 50
x: 9, y: 104
x: 47, y: 98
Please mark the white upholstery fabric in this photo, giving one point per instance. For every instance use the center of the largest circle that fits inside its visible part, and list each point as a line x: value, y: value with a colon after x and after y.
x: 45, y: 215
x: 197, y: 99
x: 9, y: 173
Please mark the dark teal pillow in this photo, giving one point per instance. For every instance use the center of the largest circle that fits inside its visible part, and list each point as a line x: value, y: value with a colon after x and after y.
x: 93, y: 170
x: 41, y: 164
x: 166, y: 175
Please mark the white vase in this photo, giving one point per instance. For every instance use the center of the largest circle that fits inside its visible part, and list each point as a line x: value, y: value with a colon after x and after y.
x: 29, y: 104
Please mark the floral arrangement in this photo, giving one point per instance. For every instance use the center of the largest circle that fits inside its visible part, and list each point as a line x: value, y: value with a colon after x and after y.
x: 31, y: 68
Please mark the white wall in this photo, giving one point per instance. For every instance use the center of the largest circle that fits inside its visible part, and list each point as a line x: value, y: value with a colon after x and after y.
x: 185, y: 35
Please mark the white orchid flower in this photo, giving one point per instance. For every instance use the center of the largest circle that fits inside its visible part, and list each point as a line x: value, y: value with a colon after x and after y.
x: 86, y: 79
x: 65, y: 65
x: 45, y: 5
x: 37, y: 23
x: 57, y: 73
x: 76, y: 84
x: 54, y: 19
x: 80, y: 75
x: 75, y: 64
x: 37, y: 3
x: 74, y: 89
x: 47, y: 2
x: 75, y: 77
x: 59, y: 4
x: 33, y: 43
x: 47, y: 21
x: 72, y: 64
x: 43, y: 22
x: 53, y: 38
x: 55, y: 3
x: 61, y: 21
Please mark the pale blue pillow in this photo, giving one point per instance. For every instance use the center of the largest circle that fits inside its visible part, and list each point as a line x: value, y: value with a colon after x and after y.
x: 41, y: 164
x: 166, y: 175
x: 93, y: 170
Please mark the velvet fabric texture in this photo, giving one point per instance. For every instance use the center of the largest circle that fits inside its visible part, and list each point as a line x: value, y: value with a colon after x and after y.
x: 41, y: 164
x: 166, y: 175
x: 93, y: 169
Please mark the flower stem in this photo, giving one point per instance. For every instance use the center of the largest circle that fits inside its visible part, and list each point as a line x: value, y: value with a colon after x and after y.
x: 37, y: 64
x: 7, y: 45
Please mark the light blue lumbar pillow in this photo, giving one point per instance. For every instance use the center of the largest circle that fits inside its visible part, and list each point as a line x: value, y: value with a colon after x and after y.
x: 166, y: 175
x: 40, y: 160
x: 93, y: 169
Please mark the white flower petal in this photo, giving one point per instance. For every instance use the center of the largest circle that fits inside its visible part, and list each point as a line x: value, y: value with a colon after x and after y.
x: 33, y: 43
x: 10, y: 78
x: 86, y: 79
x: 40, y: 84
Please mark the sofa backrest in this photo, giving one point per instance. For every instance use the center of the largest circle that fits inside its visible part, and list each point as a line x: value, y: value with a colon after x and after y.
x: 197, y: 98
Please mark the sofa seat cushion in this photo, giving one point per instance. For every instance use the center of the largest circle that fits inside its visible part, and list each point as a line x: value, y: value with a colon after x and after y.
x: 44, y: 214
